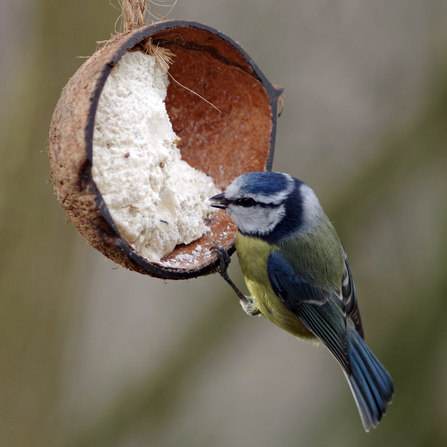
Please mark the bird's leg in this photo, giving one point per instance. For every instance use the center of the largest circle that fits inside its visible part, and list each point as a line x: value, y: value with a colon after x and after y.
x: 247, y: 302
x: 224, y: 262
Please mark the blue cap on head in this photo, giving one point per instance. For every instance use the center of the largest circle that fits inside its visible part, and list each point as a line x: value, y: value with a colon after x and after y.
x: 265, y: 187
x: 267, y: 183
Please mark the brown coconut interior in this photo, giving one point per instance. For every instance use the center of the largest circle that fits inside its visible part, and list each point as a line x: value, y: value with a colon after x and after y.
x: 223, y: 143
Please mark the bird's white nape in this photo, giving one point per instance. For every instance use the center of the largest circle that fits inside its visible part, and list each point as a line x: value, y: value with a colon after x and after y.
x: 311, y: 207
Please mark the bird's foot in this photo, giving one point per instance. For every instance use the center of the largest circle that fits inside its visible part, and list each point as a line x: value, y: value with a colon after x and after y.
x: 249, y: 306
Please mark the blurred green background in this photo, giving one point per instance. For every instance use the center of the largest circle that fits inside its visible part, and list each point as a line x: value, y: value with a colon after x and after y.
x: 92, y: 355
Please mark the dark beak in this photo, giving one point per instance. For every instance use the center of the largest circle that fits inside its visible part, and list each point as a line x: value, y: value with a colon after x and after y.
x: 219, y: 201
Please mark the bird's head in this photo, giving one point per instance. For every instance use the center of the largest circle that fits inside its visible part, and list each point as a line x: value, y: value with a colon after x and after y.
x: 269, y: 205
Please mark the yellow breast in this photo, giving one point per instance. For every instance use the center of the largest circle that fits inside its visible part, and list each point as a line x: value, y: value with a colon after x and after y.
x: 252, y: 253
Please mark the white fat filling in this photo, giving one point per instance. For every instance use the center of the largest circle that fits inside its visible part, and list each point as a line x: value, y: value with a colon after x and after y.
x: 156, y: 200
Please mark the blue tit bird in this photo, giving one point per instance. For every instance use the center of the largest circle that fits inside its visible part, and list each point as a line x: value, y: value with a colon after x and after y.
x: 299, y: 277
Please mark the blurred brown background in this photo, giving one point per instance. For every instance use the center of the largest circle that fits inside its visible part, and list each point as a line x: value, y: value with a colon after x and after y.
x: 92, y: 355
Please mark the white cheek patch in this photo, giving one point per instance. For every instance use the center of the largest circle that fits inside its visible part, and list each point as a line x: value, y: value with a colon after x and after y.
x: 256, y: 219
x: 312, y: 210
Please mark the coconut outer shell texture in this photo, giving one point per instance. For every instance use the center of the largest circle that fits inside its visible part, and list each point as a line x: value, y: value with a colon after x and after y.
x: 224, y: 143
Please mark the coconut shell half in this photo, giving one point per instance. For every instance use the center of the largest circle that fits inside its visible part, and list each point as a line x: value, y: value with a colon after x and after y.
x: 224, y: 143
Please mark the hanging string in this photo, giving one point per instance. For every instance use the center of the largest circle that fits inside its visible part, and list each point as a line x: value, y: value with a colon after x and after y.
x: 133, y: 14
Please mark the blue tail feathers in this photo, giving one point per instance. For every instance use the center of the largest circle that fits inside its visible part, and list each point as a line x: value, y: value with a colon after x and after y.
x: 370, y: 383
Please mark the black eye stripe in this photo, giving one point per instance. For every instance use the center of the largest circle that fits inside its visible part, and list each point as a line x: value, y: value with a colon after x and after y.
x: 246, y: 202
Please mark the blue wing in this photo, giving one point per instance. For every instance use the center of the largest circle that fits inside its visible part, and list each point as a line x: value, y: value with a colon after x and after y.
x: 328, y: 316
x: 320, y: 310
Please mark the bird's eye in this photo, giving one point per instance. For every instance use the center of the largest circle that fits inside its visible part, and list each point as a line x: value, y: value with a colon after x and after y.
x: 246, y: 202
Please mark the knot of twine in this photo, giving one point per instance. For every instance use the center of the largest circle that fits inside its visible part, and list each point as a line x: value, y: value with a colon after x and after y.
x: 133, y: 14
